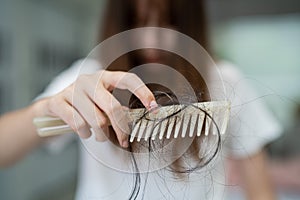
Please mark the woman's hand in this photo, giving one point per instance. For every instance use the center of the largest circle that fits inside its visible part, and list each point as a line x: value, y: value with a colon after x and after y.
x: 88, y: 101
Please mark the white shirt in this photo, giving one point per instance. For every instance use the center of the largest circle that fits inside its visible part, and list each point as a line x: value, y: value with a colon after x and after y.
x: 251, y: 126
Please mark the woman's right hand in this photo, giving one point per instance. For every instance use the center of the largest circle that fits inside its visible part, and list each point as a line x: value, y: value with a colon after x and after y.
x: 88, y: 101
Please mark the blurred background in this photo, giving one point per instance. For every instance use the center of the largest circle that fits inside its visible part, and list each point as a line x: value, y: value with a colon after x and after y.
x: 40, y: 38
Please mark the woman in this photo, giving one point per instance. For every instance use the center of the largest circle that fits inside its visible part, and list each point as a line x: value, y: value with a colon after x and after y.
x: 96, y: 180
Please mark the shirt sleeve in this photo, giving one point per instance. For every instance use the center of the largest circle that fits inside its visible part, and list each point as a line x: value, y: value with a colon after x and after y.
x: 251, y: 124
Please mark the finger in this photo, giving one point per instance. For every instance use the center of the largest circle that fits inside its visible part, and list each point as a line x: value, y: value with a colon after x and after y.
x: 71, y: 116
x: 118, y: 118
x: 102, y: 135
x: 90, y: 112
x: 130, y: 81
x: 101, y: 127
x: 87, y: 107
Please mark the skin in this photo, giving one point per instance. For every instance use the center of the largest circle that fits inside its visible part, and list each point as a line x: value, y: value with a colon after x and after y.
x: 252, y: 174
x: 95, y: 98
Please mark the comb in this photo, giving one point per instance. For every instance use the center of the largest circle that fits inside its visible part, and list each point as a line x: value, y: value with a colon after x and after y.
x: 167, y: 121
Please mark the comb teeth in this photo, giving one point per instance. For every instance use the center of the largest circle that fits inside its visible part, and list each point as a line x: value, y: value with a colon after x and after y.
x: 149, y: 129
x: 189, y: 122
x: 184, y: 121
x: 208, y: 119
x: 171, y: 124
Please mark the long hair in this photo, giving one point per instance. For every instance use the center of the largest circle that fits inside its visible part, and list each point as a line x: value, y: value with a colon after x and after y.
x: 187, y: 17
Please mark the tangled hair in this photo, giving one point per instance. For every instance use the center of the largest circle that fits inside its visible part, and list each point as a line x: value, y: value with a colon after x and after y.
x: 200, y: 153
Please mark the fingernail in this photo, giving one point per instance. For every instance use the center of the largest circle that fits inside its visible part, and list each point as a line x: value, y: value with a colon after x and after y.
x: 125, y: 144
x: 84, y: 134
x: 152, y: 107
x: 100, y: 137
x: 153, y: 104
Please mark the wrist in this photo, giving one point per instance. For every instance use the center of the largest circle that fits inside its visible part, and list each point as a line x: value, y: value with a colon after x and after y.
x: 40, y: 108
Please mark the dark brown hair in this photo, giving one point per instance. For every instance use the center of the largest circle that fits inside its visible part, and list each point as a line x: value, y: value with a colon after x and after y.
x: 187, y: 17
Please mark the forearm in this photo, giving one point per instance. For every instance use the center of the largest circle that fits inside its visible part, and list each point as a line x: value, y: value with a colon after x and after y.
x: 17, y: 133
x: 256, y: 179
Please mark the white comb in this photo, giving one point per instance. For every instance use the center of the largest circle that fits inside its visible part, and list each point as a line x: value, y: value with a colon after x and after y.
x: 166, y: 122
